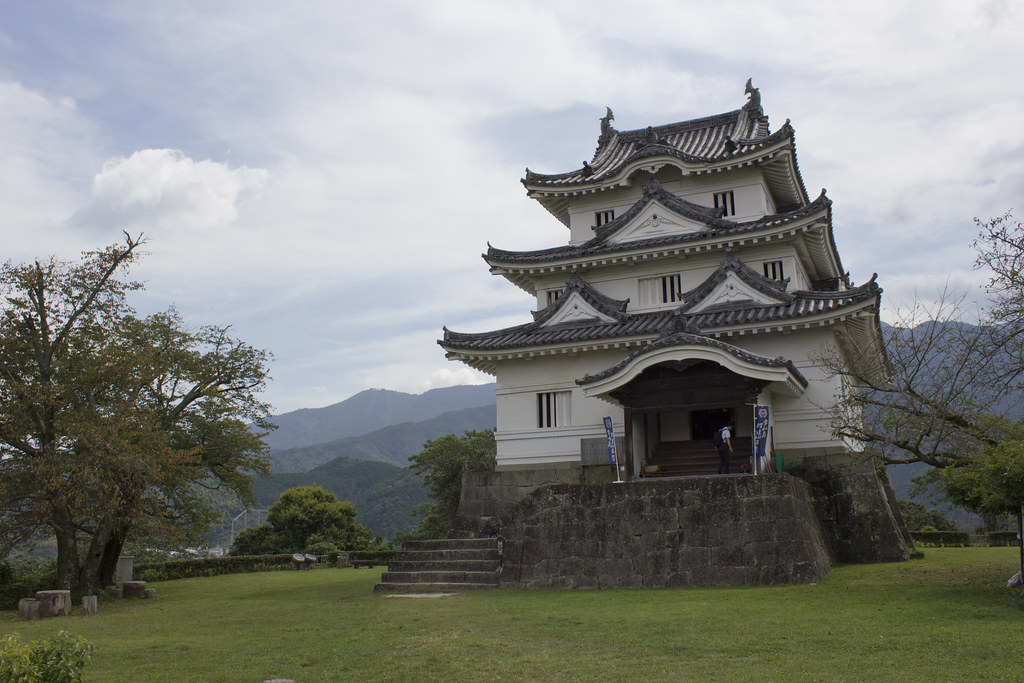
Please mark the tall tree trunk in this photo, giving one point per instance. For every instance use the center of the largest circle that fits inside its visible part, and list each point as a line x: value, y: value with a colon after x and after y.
x: 1020, y: 536
x: 111, y: 552
x: 67, y: 555
x: 89, y: 573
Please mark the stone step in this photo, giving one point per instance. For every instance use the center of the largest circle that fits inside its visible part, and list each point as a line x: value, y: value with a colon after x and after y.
x: 490, y: 555
x: 395, y: 587
x: 403, y: 565
x: 452, y: 544
x: 452, y: 577
x: 443, y: 564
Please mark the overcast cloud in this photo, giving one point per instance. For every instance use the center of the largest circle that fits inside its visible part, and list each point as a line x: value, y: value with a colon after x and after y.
x: 323, y: 176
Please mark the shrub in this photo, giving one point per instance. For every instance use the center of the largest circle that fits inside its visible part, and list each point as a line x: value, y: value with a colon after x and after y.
x: 11, y: 593
x: 383, y: 556
x: 257, y: 540
x: 943, y: 539
x: 58, y: 660
x: 997, y: 538
x: 323, y: 548
x: 210, y: 566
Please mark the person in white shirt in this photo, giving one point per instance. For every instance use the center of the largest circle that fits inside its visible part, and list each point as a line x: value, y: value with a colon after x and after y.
x: 723, y: 442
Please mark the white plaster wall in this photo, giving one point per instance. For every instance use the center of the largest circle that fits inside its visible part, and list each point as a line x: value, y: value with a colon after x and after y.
x: 800, y: 422
x: 753, y: 200
x: 622, y: 281
x: 520, y: 442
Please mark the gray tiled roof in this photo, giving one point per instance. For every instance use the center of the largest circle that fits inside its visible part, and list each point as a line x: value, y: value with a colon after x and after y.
x: 613, y: 308
x: 801, y: 305
x: 712, y: 138
x: 730, y: 264
x: 690, y: 339
x: 600, y: 244
x: 706, y: 145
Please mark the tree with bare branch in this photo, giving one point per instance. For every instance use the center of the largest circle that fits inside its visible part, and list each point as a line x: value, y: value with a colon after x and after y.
x: 110, y: 422
x: 950, y: 391
x: 952, y: 378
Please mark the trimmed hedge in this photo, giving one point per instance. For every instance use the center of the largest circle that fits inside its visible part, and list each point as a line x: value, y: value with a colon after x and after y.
x: 942, y: 539
x: 998, y: 538
x: 381, y: 557
x: 959, y: 539
x: 11, y: 593
x: 210, y: 566
x: 238, y: 564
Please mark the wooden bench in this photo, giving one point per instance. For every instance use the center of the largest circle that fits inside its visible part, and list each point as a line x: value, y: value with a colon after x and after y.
x: 371, y: 562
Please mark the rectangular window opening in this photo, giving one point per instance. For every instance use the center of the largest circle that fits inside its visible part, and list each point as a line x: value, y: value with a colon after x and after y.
x: 603, y: 217
x: 671, y: 289
x: 661, y: 290
x: 773, y: 270
x: 553, y: 296
x: 552, y: 409
x: 726, y: 200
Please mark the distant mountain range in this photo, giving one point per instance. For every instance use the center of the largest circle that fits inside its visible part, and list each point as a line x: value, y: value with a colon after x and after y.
x: 393, y: 444
x: 371, y: 410
x: 359, y: 450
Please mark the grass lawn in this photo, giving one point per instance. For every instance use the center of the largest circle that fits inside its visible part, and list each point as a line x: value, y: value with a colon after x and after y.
x: 946, y: 617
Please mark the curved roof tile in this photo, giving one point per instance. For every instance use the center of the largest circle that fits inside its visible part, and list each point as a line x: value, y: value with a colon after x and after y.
x: 690, y: 339
x: 705, y: 140
x: 599, y: 244
x: 804, y: 304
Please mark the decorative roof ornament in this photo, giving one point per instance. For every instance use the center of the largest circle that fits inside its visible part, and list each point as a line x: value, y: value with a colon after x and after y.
x: 753, y: 104
x: 681, y: 323
x: 651, y: 138
x: 651, y: 187
x: 606, y: 122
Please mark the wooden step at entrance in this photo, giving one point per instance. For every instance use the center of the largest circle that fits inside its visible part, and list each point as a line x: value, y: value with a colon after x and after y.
x: 695, y: 458
x: 444, y: 564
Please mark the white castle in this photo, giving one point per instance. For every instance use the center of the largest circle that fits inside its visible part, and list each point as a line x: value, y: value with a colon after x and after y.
x: 698, y: 280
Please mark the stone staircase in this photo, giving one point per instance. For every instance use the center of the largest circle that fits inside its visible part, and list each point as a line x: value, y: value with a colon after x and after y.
x: 444, y: 564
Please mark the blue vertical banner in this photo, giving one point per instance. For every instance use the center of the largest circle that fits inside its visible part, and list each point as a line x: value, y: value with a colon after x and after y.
x: 761, y: 415
x: 609, y: 430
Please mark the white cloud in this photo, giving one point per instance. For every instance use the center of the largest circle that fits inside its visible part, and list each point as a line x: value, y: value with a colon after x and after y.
x: 325, y: 176
x: 47, y: 151
x: 162, y: 189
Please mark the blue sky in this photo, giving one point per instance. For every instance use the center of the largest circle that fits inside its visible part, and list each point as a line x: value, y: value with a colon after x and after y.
x: 323, y: 176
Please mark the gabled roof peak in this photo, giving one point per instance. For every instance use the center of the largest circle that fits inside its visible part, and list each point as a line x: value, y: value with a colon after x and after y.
x: 602, y: 306
x: 709, y: 294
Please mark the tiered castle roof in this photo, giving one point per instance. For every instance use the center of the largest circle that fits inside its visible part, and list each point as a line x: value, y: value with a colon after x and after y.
x: 707, y: 231
x: 707, y: 145
x: 731, y: 302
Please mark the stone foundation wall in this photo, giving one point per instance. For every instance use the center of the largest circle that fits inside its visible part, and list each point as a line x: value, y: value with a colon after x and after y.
x: 487, y: 497
x: 700, y: 531
x: 858, y: 515
x: 572, y: 527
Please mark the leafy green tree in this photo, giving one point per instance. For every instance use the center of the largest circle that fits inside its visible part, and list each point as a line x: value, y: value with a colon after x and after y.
x: 307, y: 511
x: 442, y: 462
x: 302, y: 517
x: 257, y: 540
x: 992, y: 484
x: 920, y: 518
x: 111, y: 423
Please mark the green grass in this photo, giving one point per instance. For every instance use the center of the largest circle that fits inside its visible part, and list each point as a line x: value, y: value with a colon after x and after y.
x: 946, y: 617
